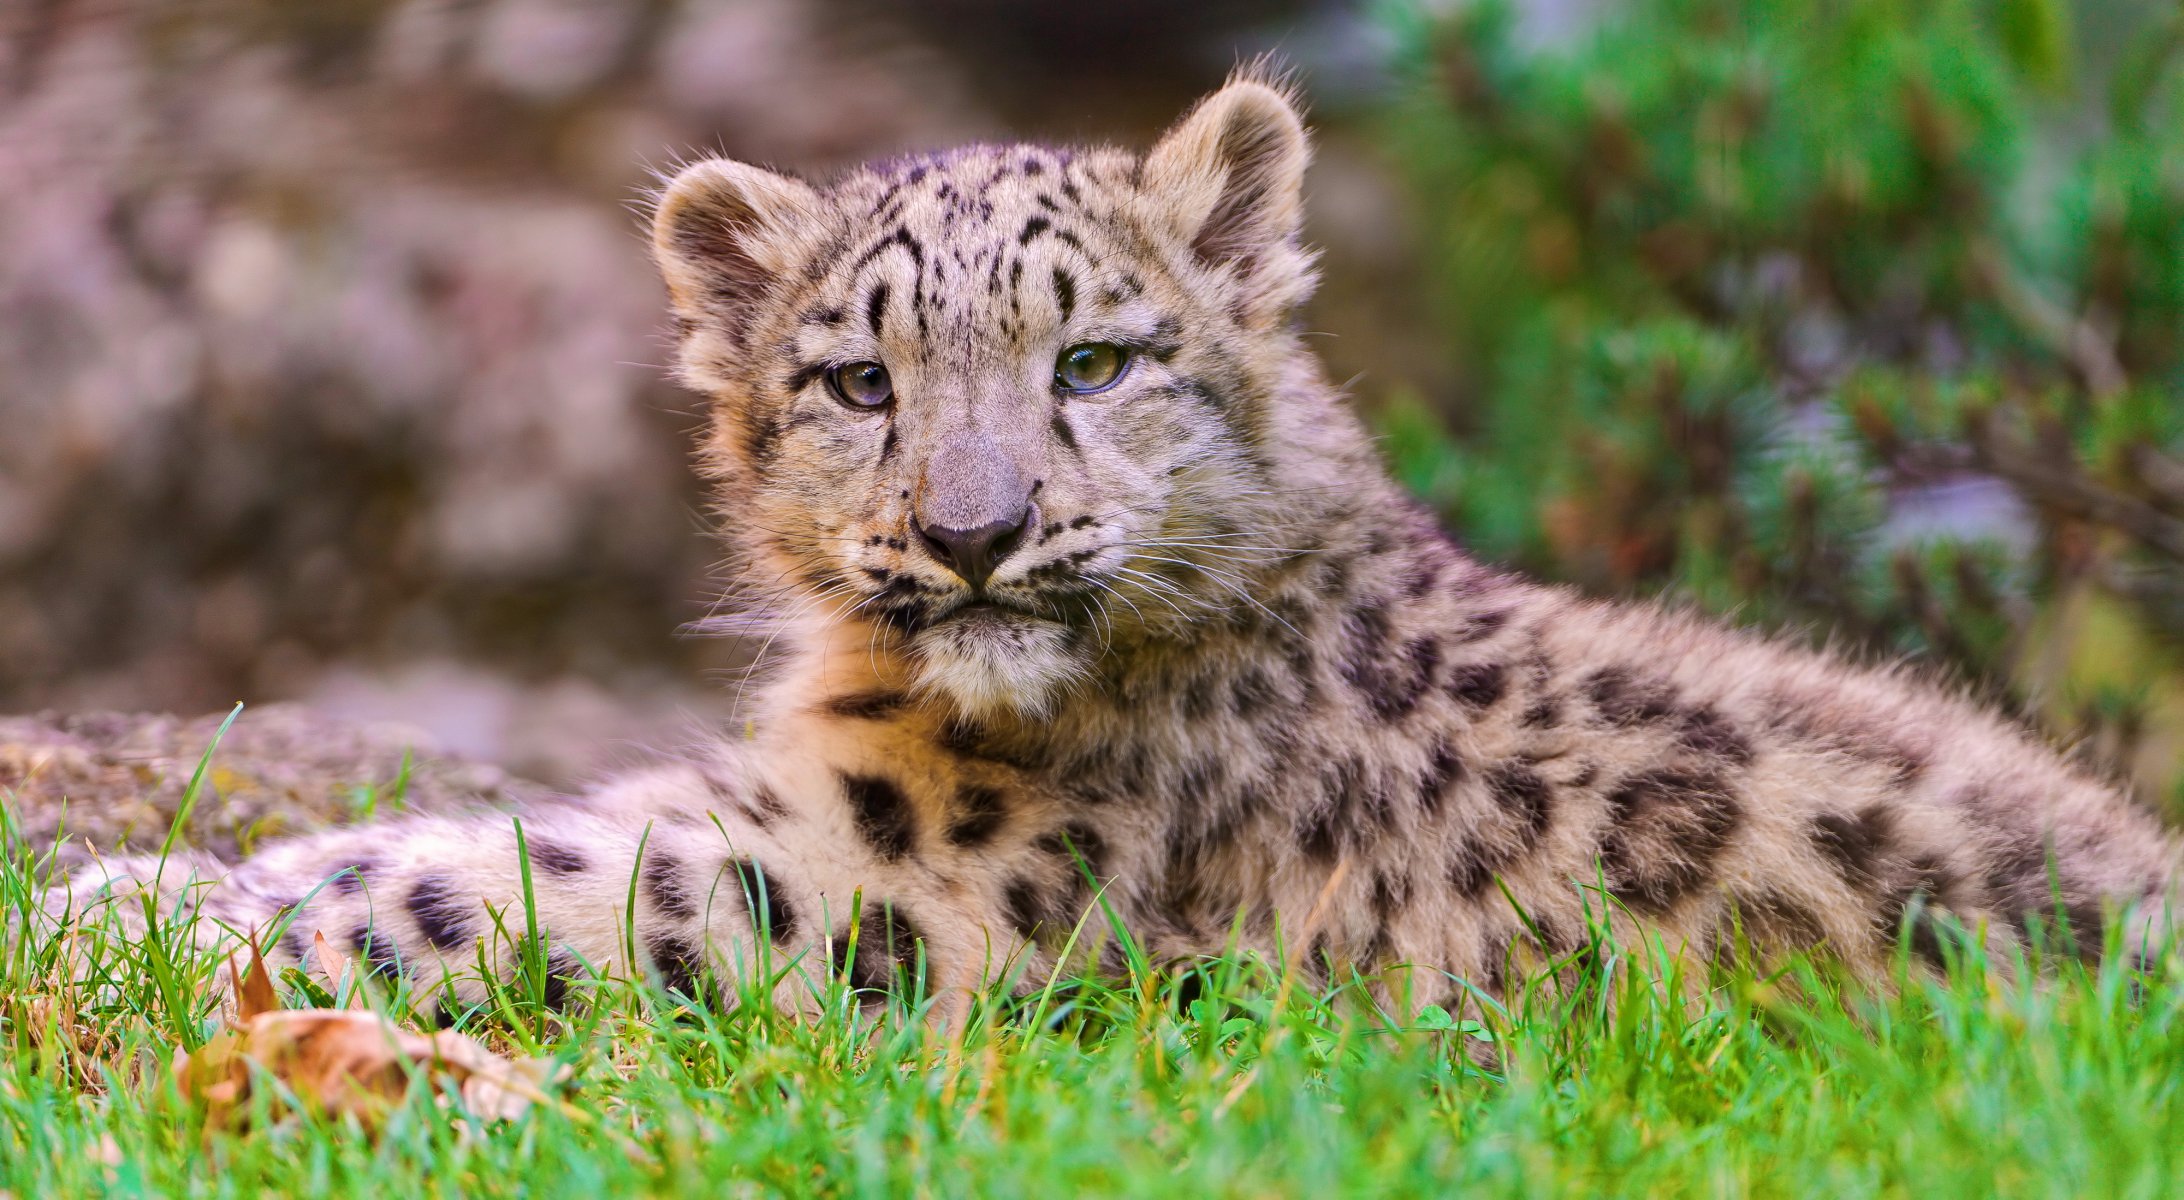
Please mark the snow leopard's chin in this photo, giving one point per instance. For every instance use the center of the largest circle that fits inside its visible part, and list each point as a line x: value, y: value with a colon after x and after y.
x: 988, y: 662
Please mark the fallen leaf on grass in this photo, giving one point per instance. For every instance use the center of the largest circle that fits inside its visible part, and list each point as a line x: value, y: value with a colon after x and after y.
x: 254, y: 994
x: 336, y: 1061
x: 330, y: 962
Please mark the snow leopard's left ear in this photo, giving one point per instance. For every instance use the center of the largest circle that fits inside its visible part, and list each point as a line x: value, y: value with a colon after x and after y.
x: 1230, y: 179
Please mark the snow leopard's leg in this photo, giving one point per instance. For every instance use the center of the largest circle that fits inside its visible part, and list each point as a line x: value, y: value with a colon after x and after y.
x: 755, y: 861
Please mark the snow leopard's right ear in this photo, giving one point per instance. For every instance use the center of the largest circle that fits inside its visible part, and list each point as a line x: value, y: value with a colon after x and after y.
x: 723, y: 232
x: 1229, y: 178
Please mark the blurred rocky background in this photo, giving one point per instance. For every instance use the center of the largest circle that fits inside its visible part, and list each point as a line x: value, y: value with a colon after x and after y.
x: 331, y: 361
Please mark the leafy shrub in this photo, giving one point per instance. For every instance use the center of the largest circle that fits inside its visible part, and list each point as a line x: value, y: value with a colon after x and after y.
x: 1864, y: 317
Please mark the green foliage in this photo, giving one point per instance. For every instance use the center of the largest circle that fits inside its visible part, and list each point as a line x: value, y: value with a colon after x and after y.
x: 1858, y: 316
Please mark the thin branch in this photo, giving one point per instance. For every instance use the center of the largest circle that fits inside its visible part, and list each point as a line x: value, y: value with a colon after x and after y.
x: 2060, y: 486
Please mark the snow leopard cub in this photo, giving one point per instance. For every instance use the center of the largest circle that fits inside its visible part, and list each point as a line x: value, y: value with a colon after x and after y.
x: 1076, y: 574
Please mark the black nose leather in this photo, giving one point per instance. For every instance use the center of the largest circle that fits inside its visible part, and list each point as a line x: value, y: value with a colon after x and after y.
x: 974, y: 553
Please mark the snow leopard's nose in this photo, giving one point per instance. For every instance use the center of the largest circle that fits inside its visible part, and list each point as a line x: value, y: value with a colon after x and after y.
x: 973, y: 504
x: 974, y: 553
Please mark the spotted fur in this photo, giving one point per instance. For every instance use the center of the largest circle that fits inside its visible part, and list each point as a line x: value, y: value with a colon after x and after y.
x: 1231, y: 678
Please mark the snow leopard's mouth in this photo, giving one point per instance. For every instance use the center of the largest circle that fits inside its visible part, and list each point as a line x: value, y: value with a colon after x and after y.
x: 979, y: 610
x: 984, y: 611
x: 912, y: 608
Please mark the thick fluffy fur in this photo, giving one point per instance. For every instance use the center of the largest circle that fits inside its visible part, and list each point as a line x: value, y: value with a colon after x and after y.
x: 1232, y: 675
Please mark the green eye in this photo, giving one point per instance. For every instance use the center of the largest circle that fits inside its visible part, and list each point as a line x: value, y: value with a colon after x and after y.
x: 1089, y: 367
x: 861, y: 384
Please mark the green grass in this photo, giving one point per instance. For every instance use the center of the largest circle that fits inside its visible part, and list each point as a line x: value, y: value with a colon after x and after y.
x: 1221, y: 1079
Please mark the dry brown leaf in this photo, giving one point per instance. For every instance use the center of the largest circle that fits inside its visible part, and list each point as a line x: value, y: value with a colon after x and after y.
x: 329, y: 959
x: 254, y: 990
x: 334, y: 1062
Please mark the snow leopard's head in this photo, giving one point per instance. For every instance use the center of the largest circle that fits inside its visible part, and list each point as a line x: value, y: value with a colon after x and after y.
x: 1007, y: 402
